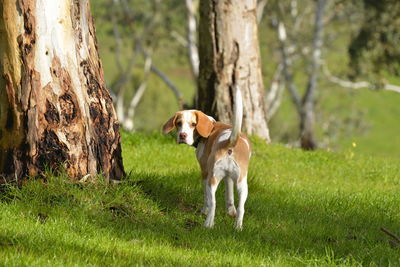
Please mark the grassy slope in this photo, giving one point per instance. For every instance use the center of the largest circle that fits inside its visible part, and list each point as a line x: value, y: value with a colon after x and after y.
x: 383, y: 115
x: 304, y: 208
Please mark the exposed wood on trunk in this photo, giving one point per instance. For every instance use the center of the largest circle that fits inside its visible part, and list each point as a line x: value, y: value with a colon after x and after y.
x: 229, y: 55
x: 55, y: 108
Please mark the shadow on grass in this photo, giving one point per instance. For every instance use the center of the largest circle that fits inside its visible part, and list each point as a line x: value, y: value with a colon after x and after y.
x: 64, y: 252
x: 275, y: 222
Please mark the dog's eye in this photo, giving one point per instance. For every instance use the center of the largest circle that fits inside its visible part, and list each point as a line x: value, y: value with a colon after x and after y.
x: 179, y: 124
x: 193, y: 124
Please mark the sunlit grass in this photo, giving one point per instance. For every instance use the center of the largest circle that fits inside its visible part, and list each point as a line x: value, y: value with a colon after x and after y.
x: 304, y: 208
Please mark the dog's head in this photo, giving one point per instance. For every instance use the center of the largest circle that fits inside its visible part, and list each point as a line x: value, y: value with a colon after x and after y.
x: 189, y: 124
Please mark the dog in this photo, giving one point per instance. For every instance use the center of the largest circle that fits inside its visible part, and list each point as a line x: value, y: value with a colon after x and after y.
x: 222, y: 151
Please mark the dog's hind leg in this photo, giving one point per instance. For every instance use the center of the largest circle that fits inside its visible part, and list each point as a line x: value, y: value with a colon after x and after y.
x: 211, y: 188
x: 229, y: 200
x: 242, y: 192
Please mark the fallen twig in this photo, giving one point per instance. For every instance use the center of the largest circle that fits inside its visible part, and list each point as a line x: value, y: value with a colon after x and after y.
x: 396, y: 241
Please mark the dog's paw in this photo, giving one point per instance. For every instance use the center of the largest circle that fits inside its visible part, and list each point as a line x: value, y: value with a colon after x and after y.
x: 209, y: 223
x: 204, y: 210
x: 238, y: 225
x: 232, y: 211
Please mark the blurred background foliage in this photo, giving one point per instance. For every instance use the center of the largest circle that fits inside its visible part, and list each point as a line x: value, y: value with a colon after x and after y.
x: 375, y: 48
x: 361, y: 43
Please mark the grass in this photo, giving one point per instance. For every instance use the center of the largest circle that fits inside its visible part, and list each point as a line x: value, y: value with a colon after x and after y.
x: 304, y: 208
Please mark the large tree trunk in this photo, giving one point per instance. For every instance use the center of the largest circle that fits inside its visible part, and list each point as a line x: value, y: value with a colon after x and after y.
x: 229, y: 55
x: 54, y: 106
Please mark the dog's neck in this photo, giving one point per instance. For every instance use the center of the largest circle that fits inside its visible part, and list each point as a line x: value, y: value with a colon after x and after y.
x: 197, y: 141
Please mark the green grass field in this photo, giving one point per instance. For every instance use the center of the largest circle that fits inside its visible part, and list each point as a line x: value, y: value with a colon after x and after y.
x: 304, y: 208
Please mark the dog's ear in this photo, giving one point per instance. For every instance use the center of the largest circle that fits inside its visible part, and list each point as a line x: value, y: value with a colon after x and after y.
x: 169, y: 125
x: 204, y: 124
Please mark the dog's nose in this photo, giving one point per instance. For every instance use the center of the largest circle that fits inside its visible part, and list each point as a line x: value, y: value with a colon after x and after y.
x: 182, y: 135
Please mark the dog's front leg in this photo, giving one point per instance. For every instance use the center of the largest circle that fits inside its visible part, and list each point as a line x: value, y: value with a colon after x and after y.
x: 211, y: 188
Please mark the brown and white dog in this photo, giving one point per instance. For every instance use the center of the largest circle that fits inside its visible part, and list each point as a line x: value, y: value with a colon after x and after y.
x: 223, y: 153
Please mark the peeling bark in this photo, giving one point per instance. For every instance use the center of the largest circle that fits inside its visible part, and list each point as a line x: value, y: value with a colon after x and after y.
x: 54, y: 107
x: 229, y: 55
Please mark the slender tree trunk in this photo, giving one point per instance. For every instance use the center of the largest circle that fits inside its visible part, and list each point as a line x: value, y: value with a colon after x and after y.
x: 260, y: 9
x: 287, y: 66
x: 54, y: 106
x: 273, y: 98
x: 307, y: 115
x: 229, y: 55
x: 191, y: 37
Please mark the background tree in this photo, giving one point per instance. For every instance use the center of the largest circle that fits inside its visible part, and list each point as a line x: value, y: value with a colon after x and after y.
x: 193, y: 53
x: 376, y: 46
x: 307, y: 115
x: 54, y: 106
x: 136, y: 32
x: 229, y: 55
x: 340, y: 114
x: 290, y: 49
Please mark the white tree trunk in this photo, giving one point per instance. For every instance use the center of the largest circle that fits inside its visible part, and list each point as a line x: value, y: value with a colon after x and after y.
x: 191, y: 37
x: 55, y: 108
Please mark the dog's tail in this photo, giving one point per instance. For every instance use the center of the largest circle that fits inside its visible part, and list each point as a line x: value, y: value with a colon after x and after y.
x: 237, y: 116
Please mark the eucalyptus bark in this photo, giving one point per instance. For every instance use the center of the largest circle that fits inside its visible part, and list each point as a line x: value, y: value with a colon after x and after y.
x: 55, y: 109
x: 230, y: 55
